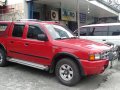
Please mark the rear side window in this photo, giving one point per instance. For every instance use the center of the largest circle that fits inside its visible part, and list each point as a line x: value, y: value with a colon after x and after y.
x: 3, y: 27
x: 114, y: 30
x: 18, y: 30
x: 84, y: 31
x: 98, y: 31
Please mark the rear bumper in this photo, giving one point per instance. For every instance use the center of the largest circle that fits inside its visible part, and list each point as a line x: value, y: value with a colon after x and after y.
x: 94, y: 67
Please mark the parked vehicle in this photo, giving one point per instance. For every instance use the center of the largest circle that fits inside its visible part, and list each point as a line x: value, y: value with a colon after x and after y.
x: 108, y: 33
x: 50, y: 46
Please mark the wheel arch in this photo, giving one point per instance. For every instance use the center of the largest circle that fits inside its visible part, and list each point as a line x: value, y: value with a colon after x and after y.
x: 3, y: 47
x: 61, y: 55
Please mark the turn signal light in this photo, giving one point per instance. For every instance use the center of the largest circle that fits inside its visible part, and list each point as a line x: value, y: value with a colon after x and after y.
x: 92, y: 57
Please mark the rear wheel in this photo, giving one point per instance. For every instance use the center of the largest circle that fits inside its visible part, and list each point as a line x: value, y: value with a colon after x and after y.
x: 67, y: 72
x: 3, y: 61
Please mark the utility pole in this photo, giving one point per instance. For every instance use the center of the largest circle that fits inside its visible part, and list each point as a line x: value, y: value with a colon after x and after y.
x: 78, y: 16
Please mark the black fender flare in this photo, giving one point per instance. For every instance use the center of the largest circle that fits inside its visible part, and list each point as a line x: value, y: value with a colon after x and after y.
x: 3, y: 47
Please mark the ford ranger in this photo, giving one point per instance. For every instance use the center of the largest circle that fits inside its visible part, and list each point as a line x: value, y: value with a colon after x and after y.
x: 51, y: 47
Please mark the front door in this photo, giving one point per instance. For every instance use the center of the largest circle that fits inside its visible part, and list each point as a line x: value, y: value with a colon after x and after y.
x: 35, y: 50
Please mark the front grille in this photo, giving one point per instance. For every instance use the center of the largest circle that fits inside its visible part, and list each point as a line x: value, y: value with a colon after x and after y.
x: 105, y: 55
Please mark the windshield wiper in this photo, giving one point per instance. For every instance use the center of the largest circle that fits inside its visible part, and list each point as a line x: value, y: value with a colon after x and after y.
x: 58, y: 38
x: 61, y: 38
x: 74, y: 37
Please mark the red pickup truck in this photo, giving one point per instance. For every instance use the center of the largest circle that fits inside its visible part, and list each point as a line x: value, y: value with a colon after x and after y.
x: 52, y: 47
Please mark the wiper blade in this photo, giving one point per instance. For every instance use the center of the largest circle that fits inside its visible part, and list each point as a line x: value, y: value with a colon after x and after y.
x: 74, y: 37
x: 66, y: 38
x: 61, y: 38
x: 58, y: 38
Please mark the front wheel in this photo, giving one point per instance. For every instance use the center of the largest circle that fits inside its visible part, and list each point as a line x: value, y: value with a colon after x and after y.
x: 3, y: 61
x: 67, y: 72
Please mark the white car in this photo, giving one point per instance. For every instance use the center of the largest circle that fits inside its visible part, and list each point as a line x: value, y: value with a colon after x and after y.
x: 108, y: 33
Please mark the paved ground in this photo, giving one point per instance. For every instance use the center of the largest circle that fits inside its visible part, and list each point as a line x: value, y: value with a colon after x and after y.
x: 18, y: 77
x: 112, y: 81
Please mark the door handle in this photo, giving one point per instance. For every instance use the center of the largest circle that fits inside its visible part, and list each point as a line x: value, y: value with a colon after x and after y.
x: 104, y: 39
x: 11, y: 41
x: 26, y: 44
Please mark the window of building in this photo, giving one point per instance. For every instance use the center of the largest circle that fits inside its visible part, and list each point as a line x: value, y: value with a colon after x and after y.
x: 18, y: 30
x: 3, y: 27
x: 114, y: 30
x: 33, y: 32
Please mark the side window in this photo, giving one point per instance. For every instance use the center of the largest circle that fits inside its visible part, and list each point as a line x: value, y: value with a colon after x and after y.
x: 114, y: 30
x: 18, y: 30
x: 33, y: 32
x: 98, y: 31
x: 84, y: 31
x: 3, y: 27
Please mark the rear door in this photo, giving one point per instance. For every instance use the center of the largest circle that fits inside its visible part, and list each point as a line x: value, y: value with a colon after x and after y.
x: 15, y: 44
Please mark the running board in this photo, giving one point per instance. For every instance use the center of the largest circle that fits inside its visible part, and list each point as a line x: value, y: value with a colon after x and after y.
x: 26, y: 63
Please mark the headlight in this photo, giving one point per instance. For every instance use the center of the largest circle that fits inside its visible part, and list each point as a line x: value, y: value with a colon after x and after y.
x: 95, y: 57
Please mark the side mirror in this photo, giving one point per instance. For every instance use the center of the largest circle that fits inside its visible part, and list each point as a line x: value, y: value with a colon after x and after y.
x: 42, y: 37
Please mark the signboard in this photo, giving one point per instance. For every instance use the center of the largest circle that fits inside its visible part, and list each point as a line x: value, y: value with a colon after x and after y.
x: 82, y: 18
x: 68, y: 15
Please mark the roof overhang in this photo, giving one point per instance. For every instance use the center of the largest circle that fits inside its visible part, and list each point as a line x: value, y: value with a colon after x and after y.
x: 96, y: 10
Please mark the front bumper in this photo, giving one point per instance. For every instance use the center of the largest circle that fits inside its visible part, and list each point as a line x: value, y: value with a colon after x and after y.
x: 94, y: 67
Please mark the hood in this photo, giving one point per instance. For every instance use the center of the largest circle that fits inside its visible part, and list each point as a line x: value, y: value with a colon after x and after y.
x: 83, y: 44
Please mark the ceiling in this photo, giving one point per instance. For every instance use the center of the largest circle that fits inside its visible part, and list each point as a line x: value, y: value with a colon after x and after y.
x: 84, y: 5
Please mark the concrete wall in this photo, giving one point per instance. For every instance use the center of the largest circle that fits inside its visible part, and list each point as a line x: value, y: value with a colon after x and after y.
x: 11, y: 2
x: 25, y: 9
x: 15, y: 11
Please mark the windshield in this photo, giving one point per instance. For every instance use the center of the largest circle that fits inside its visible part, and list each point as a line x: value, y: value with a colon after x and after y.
x: 59, y: 32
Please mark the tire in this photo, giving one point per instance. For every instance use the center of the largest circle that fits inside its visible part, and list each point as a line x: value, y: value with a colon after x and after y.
x: 67, y: 72
x: 3, y: 61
